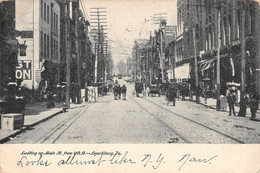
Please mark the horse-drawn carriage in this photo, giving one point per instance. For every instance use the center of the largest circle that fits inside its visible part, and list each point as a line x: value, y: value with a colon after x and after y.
x: 154, y: 90
x: 139, y: 88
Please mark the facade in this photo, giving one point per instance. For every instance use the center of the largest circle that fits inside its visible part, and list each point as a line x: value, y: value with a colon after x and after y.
x: 230, y: 15
x: 8, y: 43
x: 198, y: 21
x: 39, y: 67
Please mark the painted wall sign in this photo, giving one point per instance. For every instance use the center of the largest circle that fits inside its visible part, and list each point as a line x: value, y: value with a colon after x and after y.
x: 23, y: 70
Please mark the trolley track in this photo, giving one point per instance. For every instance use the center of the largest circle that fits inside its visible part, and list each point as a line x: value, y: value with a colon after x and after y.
x: 164, y: 123
x: 64, y: 125
x: 195, y: 122
x: 177, y: 132
x: 59, y: 128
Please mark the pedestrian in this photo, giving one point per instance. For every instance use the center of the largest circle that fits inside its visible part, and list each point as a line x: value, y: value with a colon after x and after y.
x: 183, y: 90
x: 253, y: 103
x: 119, y: 91
x: 50, y: 98
x: 115, y: 91
x: 231, y: 99
x: 124, y: 91
x: 171, y: 94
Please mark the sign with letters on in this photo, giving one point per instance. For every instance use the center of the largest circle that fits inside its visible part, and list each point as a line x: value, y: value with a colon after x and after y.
x: 23, y: 70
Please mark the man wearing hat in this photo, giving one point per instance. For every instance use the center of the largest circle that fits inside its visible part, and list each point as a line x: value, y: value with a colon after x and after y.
x: 231, y: 99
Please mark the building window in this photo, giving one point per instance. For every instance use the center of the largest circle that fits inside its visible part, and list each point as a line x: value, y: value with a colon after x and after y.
x: 41, y: 43
x: 48, y: 47
x: 48, y: 10
x: 44, y: 11
x: 54, y: 19
x: 45, y: 45
x: 51, y: 18
x: 57, y: 21
x: 54, y: 53
x: 41, y: 9
x: 51, y: 48
x: 56, y: 49
x: 252, y: 21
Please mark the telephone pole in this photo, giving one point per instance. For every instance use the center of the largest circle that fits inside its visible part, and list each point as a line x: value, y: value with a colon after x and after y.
x: 218, y: 62
x: 99, y: 26
x: 106, y: 63
x: 257, y: 35
x: 77, y: 51
x: 242, y: 111
x: 67, y: 52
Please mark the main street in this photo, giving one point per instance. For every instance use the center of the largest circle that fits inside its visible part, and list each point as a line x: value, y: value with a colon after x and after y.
x: 141, y: 120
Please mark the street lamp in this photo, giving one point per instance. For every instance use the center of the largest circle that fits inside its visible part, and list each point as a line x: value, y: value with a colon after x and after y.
x: 196, y: 64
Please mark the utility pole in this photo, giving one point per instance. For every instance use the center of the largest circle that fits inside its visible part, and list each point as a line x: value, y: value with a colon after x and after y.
x: 174, y: 61
x: 106, y: 64
x: 100, y: 27
x: 77, y: 51
x: 96, y: 63
x: 67, y: 51
x: 257, y: 35
x: 242, y: 111
x: 162, y: 58
x: 218, y: 63
x: 87, y: 51
x: 196, y: 65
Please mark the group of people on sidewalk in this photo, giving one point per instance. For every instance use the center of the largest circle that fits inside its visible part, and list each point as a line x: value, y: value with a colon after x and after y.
x: 250, y: 99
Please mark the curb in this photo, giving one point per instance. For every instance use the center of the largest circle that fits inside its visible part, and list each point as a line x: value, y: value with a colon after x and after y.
x: 203, y: 104
x: 5, y: 139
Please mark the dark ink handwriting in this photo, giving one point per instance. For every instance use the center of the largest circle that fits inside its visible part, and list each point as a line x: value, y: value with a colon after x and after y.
x: 24, y: 161
x: 186, y: 157
x: 72, y: 161
x: 147, y: 160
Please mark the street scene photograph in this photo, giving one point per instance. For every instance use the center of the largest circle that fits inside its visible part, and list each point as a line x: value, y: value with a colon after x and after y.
x: 129, y: 72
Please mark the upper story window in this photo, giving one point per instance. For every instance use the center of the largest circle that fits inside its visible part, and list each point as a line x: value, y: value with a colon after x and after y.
x: 44, y: 11
x: 54, y: 20
x: 57, y: 21
x: 41, y: 9
x: 48, y: 11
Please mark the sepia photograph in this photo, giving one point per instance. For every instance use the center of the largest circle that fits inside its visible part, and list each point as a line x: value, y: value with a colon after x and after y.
x: 129, y: 72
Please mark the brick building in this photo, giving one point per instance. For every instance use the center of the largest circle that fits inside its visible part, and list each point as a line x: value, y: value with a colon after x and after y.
x: 202, y: 16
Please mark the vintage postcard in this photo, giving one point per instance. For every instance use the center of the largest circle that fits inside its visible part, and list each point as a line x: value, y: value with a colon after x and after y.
x: 129, y: 86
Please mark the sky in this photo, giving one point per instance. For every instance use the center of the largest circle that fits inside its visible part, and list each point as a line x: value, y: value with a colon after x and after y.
x: 130, y: 20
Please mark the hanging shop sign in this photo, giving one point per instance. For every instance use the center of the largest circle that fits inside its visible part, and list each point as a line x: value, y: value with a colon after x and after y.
x: 23, y: 70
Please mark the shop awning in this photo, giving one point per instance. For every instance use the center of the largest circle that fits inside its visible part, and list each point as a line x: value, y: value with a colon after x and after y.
x: 182, y: 72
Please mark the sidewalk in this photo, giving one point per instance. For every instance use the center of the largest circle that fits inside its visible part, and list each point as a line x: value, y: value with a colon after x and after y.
x: 35, y: 114
x: 212, y: 103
